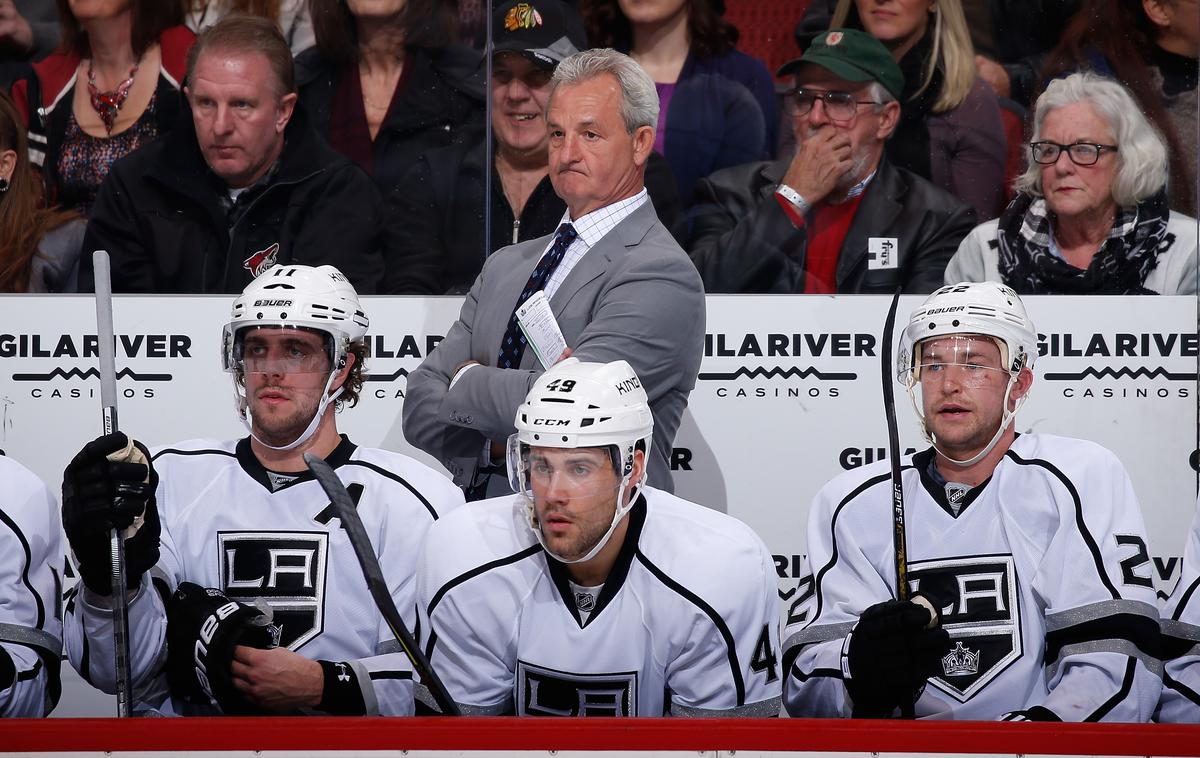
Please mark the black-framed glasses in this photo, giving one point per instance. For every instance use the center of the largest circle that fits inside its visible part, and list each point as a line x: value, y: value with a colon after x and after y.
x: 839, y: 106
x: 1081, y: 153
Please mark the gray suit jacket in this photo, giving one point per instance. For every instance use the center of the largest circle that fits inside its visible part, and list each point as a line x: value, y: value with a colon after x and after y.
x: 634, y: 296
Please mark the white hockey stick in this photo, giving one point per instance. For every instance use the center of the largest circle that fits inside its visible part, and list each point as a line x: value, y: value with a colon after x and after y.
x: 375, y: 583
x: 108, y: 407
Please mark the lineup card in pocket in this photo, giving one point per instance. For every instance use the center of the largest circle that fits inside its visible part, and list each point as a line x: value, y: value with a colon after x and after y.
x: 541, y: 329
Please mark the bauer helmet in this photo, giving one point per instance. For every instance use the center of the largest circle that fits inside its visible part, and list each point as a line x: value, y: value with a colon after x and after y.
x: 988, y: 309
x: 581, y: 405
x: 318, y: 299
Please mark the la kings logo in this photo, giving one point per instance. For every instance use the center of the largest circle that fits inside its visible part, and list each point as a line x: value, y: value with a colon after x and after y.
x: 284, y: 569
x: 547, y: 692
x: 982, y: 614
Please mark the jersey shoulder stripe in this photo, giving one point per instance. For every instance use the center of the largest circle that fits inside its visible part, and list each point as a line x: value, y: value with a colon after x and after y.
x: 479, y: 571
x: 28, y: 553
x: 708, y: 610
x: 399, y: 480
x: 1084, y: 534
x: 195, y: 447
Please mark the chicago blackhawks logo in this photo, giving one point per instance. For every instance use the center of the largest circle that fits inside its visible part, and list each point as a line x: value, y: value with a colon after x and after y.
x: 522, y: 16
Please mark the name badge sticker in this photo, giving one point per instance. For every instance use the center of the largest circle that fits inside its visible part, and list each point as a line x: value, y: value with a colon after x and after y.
x: 882, y: 253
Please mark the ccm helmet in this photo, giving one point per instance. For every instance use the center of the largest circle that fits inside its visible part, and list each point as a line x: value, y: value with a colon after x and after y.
x: 989, y: 309
x: 574, y: 405
x: 319, y: 299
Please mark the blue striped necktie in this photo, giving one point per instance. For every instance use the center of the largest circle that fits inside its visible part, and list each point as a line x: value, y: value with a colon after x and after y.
x: 513, y: 345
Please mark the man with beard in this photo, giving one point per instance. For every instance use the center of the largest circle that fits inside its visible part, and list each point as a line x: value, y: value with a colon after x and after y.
x: 588, y: 593
x: 836, y: 217
x: 244, y: 592
x: 1026, y: 554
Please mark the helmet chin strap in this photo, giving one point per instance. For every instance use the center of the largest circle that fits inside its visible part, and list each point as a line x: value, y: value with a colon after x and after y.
x: 1004, y: 422
x: 247, y: 417
x: 618, y: 514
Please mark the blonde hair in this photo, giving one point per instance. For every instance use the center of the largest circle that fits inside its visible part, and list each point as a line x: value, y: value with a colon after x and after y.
x: 951, y: 48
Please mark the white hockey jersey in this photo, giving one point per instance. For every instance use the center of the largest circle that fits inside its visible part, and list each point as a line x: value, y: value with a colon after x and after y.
x: 685, y: 624
x: 225, y: 526
x: 31, y: 572
x: 1181, y: 639
x: 1043, y: 581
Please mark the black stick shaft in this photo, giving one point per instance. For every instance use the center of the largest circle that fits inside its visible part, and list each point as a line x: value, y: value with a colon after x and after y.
x: 375, y: 583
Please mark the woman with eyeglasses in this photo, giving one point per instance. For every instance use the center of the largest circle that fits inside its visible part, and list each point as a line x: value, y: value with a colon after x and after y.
x: 950, y: 130
x: 1090, y: 216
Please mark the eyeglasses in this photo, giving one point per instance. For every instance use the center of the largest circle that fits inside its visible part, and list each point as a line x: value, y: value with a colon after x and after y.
x: 839, y: 106
x: 1082, y: 153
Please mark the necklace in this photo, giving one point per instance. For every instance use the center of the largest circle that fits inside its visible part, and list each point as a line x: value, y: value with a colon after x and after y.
x: 108, y: 104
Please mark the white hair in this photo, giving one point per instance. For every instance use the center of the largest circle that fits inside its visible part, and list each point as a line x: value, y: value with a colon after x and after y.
x: 639, y: 98
x: 1141, y: 150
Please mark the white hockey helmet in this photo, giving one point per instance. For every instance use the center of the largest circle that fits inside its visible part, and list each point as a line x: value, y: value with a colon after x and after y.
x: 293, y: 296
x: 576, y: 405
x: 988, y: 309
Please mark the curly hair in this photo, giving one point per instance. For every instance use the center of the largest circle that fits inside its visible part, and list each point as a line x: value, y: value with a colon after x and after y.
x: 352, y: 387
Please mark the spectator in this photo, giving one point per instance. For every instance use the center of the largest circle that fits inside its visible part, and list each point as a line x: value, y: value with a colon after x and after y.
x: 291, y: 15
x: 246, y: 184
x: 617, y: 282
x: 1091, y: 217
x: 950, y: 130
x: 438, y: 207
x: 838, y: 216
x: 39, y: 248
x: 1151, y: 47
x: 717, y: 104
x: 28, y: 32
x: 31, y: 574
x: 128, y: 58
x: 384, y: 85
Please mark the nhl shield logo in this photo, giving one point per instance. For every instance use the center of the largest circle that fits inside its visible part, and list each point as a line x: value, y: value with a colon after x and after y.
x: 286, y: 570
x: 980, y: 609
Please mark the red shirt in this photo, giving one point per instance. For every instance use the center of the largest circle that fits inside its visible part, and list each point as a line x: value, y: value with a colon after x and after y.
x: 827, y: 228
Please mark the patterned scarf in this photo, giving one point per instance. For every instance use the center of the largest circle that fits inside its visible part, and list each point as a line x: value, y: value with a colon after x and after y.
x: 1121, y: 265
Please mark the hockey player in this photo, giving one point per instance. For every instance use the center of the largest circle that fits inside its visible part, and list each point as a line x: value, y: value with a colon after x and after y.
x: 589, y: 593
x: 1030, y: 547
x: 31, y: 571
x: 1181, y: 639
x: 245, y: 594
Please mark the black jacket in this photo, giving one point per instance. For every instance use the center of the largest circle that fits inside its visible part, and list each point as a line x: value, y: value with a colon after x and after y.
x: 742, y: 241
x: 436, y: 215
x: 160, y: 217
x: 438, y: 106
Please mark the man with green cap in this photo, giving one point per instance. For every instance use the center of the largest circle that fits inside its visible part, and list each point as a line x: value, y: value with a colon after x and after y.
x: 836, y: 217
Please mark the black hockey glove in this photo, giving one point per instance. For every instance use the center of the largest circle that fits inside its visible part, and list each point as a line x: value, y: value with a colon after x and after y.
x: 889, y: 655
x: 203, y: 626
x: 1034, y: 713
x: 8, y: 670
x: 108, y: 485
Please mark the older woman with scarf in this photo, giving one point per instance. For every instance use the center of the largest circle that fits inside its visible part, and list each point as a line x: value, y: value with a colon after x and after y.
x: 1091, y: 213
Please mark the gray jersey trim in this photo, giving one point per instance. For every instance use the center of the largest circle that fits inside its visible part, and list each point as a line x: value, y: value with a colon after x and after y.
x: 388, y: 646
x: 765, y: 709
x: 1093, y: 611
x: 30, y: 637
x: 1180, y: 629
x: 819, y: 633
x: 1122, y: 647
x: 422, y: 693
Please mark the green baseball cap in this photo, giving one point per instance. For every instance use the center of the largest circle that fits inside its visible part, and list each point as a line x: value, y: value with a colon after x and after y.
x: 852, y: 55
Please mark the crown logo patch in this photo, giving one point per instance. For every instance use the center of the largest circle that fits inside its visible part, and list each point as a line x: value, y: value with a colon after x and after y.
x: 522, y: 16
x: 960, y: 662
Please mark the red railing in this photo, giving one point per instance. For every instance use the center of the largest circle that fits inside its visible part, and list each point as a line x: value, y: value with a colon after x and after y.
x: 813, y: 735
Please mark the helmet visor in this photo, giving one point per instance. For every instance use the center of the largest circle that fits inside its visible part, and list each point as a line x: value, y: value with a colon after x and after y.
x: 281, y: 350
x: 562, y: 474
x: 971, y: 360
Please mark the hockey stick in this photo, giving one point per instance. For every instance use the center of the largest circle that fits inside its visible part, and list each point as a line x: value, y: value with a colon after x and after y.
x: 108, y: 407
x: 374, y: 575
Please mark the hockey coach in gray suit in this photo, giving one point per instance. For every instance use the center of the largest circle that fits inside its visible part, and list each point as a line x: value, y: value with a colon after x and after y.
x: 618, y: 284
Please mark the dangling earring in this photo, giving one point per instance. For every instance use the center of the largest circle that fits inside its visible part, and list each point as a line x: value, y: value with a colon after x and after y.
x: 3, y: 185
